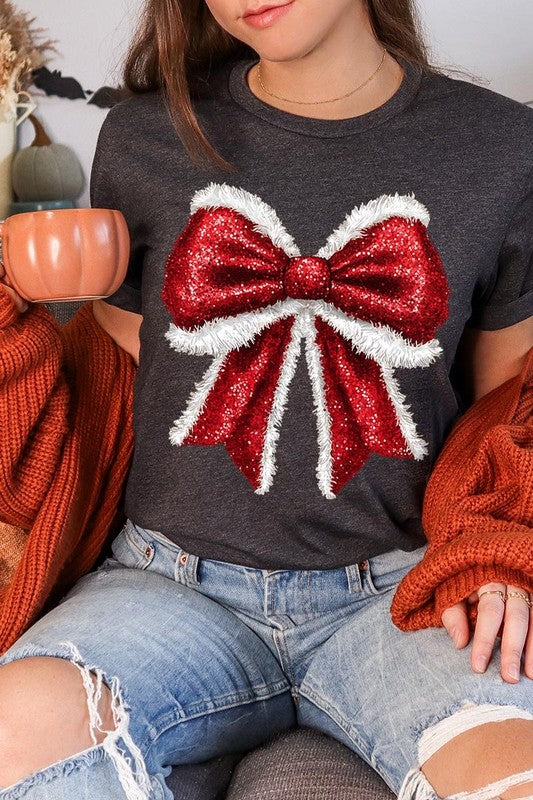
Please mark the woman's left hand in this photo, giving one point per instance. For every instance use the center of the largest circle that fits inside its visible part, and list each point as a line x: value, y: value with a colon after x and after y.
x: 517, y: 631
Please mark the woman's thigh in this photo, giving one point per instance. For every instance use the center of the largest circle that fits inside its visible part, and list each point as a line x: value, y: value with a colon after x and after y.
x: 196, y: 680
x: 380, y: 690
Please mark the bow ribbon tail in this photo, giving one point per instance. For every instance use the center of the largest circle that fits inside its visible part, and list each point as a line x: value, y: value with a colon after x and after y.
x: 240, y: 401
x: 359, y: 408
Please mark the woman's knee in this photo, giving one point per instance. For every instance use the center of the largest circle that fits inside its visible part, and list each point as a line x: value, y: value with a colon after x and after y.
x: 45, y: 715
x: 498, y: 754
x: 477, y: 752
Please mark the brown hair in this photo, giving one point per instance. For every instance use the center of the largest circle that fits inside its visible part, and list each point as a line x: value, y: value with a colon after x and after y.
x: 178, y: 41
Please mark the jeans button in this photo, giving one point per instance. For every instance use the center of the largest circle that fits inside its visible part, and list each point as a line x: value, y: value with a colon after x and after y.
x: 363, y: 565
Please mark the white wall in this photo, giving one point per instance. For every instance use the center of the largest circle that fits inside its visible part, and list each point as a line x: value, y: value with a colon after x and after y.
x: 91, y: 39
x: 491, y: 38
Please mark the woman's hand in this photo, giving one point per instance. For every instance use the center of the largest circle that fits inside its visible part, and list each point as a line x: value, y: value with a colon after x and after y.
x: 517, y: 632
x: 20, y: 303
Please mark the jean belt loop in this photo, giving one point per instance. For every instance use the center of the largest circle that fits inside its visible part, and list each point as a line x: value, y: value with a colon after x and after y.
x: 353, y: 576
x: 186, y: 569
x: 192, y: 568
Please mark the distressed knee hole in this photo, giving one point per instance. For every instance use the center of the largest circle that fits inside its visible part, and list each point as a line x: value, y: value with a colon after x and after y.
x: 126, y: 757
x: 479, y: 752
x: 100, y: 725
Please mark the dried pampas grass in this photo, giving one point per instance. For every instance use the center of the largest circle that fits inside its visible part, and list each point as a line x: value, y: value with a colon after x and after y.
x: 23, y: 49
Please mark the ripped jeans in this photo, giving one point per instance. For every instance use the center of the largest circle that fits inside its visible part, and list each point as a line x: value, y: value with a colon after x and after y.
x: 205, y: 658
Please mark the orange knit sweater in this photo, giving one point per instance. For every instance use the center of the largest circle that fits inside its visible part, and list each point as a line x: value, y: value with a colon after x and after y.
x: 66, y: 443
x: 65, y: 447
x: 478, y: 507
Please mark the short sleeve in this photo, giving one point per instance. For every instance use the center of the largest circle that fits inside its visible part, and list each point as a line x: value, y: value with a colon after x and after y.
x: 105, y: 192
x: 508, y: 296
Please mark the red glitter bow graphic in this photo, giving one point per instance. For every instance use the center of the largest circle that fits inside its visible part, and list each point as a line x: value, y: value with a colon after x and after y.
x: 368, y: 302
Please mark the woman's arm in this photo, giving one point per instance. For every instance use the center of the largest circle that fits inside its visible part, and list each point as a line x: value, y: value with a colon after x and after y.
x: 487, y: 359
x: 122, y: 326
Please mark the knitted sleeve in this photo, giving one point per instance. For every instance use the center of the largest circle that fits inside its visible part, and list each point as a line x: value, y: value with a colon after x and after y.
x: 478, y: 508
x: 34, y: 406
x: 66, y: 442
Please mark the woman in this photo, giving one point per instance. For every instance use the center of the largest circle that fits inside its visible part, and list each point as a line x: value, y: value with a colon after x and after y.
x: 300, y: 312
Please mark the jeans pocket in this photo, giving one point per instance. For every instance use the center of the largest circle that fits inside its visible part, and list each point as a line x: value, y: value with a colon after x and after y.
x: 384, y: 572
x: 131, y: 548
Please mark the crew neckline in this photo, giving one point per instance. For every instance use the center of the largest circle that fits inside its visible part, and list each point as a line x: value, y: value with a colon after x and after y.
x: 243, y: 95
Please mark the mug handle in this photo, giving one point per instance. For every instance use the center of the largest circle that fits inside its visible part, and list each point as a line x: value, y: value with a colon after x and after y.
x: 29, y: 107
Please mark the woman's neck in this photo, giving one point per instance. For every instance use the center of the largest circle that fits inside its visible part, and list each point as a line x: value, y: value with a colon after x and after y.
x: 344, y: 60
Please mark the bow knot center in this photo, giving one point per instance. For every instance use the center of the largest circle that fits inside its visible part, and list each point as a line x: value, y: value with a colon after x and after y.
x: 307, y: 277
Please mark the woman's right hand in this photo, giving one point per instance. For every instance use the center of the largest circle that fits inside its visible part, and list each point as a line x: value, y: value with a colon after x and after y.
x: 20, y: 303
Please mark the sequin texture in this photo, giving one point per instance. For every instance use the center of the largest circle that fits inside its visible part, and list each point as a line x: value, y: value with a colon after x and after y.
x: 374, y: 304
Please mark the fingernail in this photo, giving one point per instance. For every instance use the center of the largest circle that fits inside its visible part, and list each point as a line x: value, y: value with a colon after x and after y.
x: 481, y: 663
x: 456, y: 635
x: 514, y: 672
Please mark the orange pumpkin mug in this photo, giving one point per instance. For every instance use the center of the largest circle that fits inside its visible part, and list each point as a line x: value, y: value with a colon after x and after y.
x: 65, y: 254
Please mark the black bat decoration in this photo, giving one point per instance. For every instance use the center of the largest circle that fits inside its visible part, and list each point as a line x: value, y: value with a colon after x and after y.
x: 53, y: 83
x: 108, y: 96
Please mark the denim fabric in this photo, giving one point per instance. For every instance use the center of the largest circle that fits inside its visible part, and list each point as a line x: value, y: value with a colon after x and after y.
x: 214, y: 658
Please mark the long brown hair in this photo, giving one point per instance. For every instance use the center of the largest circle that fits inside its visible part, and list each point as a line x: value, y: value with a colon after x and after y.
x: 178, y: 41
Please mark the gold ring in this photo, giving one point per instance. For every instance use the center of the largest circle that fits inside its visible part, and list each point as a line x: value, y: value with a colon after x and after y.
x: 523, y: 596
x: 493, y: 591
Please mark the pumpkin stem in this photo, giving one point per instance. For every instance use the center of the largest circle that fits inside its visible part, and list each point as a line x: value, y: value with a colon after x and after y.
x: 41, y: 137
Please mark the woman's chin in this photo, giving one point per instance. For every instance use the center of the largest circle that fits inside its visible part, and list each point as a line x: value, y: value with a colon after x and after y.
x: 281, y: 51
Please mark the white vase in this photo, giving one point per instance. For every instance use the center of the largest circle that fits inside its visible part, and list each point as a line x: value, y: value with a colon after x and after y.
x: 8, y: 142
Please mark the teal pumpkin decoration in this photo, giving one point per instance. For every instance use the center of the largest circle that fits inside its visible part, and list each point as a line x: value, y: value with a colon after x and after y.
x: 46, y: 171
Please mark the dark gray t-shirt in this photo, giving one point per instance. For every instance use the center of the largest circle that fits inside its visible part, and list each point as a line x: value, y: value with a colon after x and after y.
x: 302, y: 312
